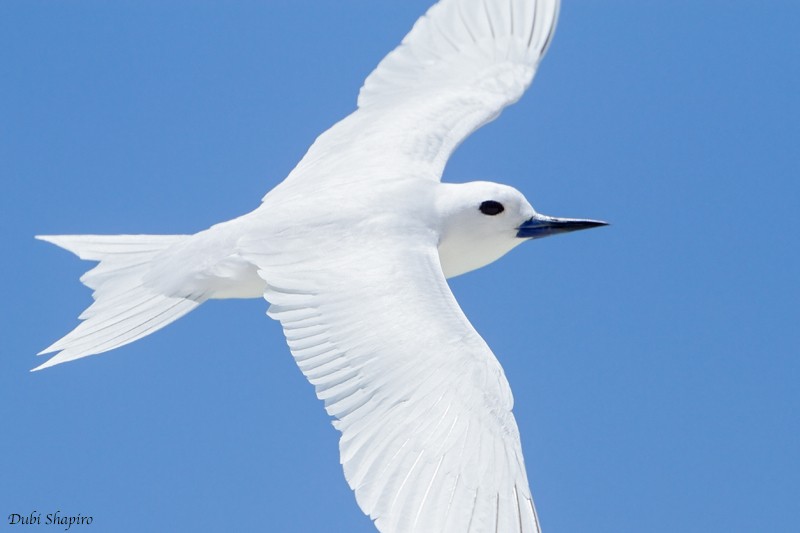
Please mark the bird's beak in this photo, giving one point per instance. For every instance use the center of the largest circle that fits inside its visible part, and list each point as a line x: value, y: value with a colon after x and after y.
x: 543, y: 226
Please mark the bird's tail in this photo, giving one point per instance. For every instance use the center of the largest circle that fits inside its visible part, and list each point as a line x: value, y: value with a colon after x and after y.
x: 125, y: 308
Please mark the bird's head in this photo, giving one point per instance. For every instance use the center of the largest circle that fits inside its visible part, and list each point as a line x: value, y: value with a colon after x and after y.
x: 482, y: 221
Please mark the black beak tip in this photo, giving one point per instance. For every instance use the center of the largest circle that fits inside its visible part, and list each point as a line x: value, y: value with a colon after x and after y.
x: 599, y: 223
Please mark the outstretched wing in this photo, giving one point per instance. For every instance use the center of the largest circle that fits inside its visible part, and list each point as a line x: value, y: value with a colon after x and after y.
x: 459, y: 66
x: 429, y: 443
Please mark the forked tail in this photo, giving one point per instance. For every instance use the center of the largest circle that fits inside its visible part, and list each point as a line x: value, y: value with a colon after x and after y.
x: 125, y: 308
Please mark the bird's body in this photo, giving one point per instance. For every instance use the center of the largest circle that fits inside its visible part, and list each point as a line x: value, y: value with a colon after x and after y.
x: 352, y: 251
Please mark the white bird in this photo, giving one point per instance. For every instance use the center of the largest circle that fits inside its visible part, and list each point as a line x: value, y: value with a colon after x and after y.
x: 351, y: 251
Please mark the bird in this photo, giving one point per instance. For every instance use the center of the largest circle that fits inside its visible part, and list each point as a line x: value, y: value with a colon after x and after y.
x: 352, y: 252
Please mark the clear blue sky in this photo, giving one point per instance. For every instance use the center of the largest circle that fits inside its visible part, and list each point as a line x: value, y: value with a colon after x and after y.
x: 654, y: 363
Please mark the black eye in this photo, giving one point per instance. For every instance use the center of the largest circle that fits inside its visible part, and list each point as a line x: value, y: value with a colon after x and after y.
x: 491, y: 208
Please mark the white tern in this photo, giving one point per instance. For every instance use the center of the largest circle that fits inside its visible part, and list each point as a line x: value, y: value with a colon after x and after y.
x: 352, y: 251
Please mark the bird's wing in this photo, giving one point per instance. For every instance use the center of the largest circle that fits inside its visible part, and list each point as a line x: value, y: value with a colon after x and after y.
x: 429, y: 443
x: 458, y: 67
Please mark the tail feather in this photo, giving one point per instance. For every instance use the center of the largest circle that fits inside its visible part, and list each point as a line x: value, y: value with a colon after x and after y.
x: 100, y: 247
x: 125, y: 308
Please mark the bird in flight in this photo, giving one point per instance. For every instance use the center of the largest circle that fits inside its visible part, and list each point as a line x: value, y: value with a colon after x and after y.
x: 352, y: 252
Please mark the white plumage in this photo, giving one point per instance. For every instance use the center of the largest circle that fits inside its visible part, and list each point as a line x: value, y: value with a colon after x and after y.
x: 352, y: 250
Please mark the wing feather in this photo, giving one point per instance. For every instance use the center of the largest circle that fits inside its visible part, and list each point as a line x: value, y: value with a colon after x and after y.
x: 458, y: 67
x: 428, y: 440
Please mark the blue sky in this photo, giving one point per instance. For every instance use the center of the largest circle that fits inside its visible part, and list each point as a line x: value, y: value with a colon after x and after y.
x: 654, y: 363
